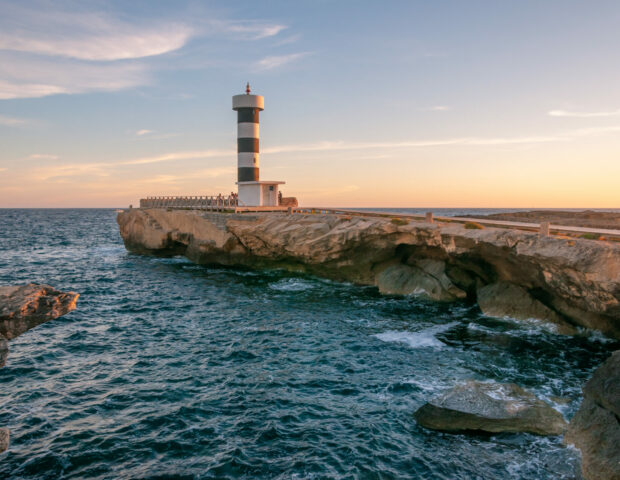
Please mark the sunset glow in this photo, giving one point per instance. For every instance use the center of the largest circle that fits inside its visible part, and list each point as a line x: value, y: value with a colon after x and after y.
x: 417, y: 104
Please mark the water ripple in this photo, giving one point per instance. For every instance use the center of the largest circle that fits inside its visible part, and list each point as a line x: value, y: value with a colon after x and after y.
x: 172, y: 370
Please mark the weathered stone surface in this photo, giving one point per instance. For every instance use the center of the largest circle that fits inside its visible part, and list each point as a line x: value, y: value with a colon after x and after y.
x: 427, y: 278
x: 577, y: 280
x: 4, y: 350
x: 24, y: 307
x: 490, y: 407
x: 504, y: 299
x: 595, y: 428
x: 4, y: 439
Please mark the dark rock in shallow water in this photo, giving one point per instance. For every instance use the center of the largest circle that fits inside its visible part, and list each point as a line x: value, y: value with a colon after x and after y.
x: 4, y: 350
x: 24, y: 307
x: 4, y: 439
x: 595, y: 428
x: 490, y: 407
x: 504, y: 299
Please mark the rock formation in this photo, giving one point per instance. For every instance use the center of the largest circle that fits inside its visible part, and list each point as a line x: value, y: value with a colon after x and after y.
x: 490, y: 407
x: 595, y: 428
x: 572, y: 282
x: 25, y: 307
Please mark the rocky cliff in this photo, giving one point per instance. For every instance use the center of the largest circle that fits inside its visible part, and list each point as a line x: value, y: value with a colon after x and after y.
x: 571, y: 282
x: 22, y: 308
x: 595, y: 428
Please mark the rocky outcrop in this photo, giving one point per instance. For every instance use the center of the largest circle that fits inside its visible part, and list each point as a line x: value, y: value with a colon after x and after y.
x: 490, y: 407
x: 595, y: 428
x: 25, y: 307
x: 503, y: 299
x: 573, y: 282
x: 22, y: 308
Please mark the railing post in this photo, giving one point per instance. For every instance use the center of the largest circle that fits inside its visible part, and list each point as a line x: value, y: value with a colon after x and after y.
x: 429, y: 217
x: 544, y: 229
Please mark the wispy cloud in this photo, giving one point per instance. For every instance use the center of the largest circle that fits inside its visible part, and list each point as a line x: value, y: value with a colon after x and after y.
x: 275, y: 61
x: 11, y: 121
x: 144, y: 131
x: 85, y: 35
x: 288, y: 40
x: 564, y: 113
x: 439, y: 108
x: 246, y: 30
x: 42, y: 156
x: 27, y: 77
x: 189, y: 155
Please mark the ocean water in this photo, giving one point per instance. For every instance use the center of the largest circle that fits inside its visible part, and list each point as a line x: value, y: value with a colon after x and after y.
x: 173, y: 370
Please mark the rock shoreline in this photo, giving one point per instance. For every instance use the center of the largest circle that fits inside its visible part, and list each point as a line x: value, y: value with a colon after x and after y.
x: 570, y: 282
x: 22, y: 308
x: 595, y: 428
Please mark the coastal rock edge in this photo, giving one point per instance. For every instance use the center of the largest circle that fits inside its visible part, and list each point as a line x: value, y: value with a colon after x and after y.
x: 490, y: 407
x: 22, y: 308
x: 571, y: 282
x: 595, y: 428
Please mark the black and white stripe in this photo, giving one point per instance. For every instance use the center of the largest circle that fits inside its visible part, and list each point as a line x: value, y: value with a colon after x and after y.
x: 247, y: 145
x: 247, y: 108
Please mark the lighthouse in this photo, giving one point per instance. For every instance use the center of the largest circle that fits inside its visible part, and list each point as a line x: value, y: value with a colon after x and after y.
x: 252, y: 191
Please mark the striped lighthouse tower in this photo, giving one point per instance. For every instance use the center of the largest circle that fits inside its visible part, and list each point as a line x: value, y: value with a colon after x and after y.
x: 252, y: 191
x: 247, y: 107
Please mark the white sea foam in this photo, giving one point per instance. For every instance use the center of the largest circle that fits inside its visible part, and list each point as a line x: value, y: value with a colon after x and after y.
x: 422, y: 339
x: 292, y: 285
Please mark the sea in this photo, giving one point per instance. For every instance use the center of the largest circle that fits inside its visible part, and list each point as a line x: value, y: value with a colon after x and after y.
x: 170, y: 370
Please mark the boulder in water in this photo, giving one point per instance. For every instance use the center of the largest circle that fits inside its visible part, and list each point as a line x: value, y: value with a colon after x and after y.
x: 490, y: 407
x: 503, y: 299
x: 595, y: 428
x: 26, y: 306
x: 4, y: 439
x: 22, y: 308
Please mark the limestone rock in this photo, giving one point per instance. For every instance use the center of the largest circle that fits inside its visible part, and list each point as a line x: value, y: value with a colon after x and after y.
x: 595, y: 428
x: 504, y: 299
x: 25, y: 307
x: 574, y: 280
x: 4, y: 439
x: 490, y: 407
x: 4, y: 350
x: 427, y: 278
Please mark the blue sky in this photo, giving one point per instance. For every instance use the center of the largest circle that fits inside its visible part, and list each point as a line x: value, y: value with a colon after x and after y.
x: 396, y: 103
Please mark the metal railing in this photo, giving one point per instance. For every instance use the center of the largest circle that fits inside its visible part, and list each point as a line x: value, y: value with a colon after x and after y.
x: 214, y: 203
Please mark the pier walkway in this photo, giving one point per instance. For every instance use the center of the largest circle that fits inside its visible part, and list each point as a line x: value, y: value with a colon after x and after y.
x: 221, y: 203
x: 544, y: 227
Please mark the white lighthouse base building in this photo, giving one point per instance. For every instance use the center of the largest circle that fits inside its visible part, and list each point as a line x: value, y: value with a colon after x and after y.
x: 258, y: 193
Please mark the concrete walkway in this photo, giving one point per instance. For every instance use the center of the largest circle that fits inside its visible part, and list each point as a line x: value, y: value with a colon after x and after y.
x: 607, y: 233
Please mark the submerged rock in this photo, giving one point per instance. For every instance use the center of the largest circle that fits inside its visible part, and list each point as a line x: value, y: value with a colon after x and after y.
x: 4, y: 350
x: 5, y: 436
x: 502, y: 299
x: 427, y: 278
x: 595, y: 428
x: 22, y: 308
x: 490, y: 407
x: 574, y: 280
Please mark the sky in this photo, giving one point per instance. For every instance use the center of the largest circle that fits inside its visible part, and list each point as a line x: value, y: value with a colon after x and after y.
x: 413, y: 103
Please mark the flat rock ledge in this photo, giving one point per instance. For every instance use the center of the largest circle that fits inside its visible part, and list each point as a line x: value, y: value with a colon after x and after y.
x: 595, y: 428
x: 492, y: 408
x: 570, y: 282
x: 22, y: 308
